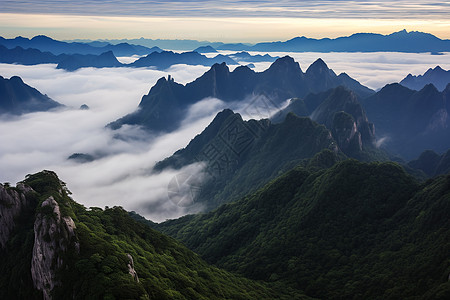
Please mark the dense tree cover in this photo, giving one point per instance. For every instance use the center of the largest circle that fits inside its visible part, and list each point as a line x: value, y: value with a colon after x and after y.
x: 242, y: 156
x: 355, y: 230
x: 166, y: 269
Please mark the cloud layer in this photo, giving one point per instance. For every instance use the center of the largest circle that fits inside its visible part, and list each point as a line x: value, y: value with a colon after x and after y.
x: 123, y: 175
x: 239, y: 8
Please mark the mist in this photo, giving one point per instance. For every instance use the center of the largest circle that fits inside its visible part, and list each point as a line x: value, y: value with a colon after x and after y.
x: 373, y: 70
x: 122, y: 175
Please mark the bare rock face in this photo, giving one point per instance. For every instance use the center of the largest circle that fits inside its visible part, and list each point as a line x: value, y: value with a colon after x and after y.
x: 346, y: 132
x: 53, y: 235
x: 131, y: 269
x: 12, y: 204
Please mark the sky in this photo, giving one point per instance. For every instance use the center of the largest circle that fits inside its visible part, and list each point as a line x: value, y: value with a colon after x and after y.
x: 225, y: 20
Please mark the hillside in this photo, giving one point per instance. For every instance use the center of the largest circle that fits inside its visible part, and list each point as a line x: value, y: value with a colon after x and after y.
x: 53, y: 248
x: 353, y: 231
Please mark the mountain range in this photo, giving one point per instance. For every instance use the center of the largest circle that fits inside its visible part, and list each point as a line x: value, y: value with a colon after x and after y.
x: 166, y: 103
x: 158, y: 59
x: 437, y: 76
x: 46, y: 44
x: 409, y: 122
x: 16, y: 97
x: 401, y: 41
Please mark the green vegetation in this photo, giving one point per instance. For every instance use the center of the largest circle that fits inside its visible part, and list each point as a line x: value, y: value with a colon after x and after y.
x: 353, y: 231
x: 165, y: 268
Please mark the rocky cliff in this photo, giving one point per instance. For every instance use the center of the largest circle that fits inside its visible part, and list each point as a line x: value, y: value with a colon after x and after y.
x: 13, y: 201
x: 53, y: 235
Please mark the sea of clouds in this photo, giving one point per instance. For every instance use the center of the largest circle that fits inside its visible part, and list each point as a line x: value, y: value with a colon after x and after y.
x: 123, y: 173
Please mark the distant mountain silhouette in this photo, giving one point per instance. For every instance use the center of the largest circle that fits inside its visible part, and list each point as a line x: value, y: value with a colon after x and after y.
x: 72, y: 62
x: 165, y: 105
x: 205, y: 49
x: 411, y: 121
x: 76, y: 61
x: 341, y: 112
x: 27, y: 56
x: 401, y: 41
x: 17, y: 98
x: 165, y: 59
x: 46, y: 44
x: 437, y: 76
x: 247, y: 57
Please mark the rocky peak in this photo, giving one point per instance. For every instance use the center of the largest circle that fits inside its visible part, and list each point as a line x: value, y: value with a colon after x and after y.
x: 318, y: 67
x: 53, y: 235
x: 285, y: 64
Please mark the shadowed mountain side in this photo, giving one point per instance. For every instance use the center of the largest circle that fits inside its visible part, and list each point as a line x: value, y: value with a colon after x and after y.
x: 437, y: 76
x: 410, y: 121
x: 240, y: 156
x: 165, y: 59
x: 341, y: 112
x: 431, y: 163
x: 355, y: 229
x: 17, y: 98
x: 282, y: 80
x: 76, y: 61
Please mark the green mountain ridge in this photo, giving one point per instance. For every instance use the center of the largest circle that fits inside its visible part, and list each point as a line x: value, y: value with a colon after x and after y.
x: 352, y: 231
x: 58, y: 249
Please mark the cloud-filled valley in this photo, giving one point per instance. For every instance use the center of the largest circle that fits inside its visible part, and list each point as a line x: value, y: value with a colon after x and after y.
x: 123, y: 175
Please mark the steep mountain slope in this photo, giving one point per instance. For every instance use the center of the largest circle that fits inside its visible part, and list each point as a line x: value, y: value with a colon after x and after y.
x: 240, y: 156
x: 282, y: 80
x: 431, y: 163
x: 58, y: 249
x: 17, y: 98
x: 341, y: 112
x: 353, y: 231
x: 437, y: 76
x: 410, y: 121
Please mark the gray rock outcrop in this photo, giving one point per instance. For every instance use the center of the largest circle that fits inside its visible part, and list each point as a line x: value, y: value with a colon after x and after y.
x: 12, y: 203
x: 53, y: 235
x: 131, y: 269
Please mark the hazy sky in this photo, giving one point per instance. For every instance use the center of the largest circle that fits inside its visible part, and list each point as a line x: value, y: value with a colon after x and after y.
x: 225, y: 20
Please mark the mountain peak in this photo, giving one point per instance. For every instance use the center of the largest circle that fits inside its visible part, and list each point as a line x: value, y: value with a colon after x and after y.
x: 317, y: 67
x: 285, y: 63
